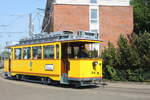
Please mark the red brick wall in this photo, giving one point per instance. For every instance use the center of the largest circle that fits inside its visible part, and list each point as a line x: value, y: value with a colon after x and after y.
x: 71, y: 17
x: 115, y: 21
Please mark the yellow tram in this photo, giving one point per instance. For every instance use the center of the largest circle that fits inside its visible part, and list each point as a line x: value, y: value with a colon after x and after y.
x: 65, y: 57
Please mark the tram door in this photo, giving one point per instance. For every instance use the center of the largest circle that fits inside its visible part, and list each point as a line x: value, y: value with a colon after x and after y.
x: 7, y: 63
x: 65, y: 60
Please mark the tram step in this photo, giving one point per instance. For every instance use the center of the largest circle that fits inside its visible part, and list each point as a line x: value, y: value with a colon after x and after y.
x: 64, y: 81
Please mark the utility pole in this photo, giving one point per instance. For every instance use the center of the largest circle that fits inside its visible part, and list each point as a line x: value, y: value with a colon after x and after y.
x: 30, y: 25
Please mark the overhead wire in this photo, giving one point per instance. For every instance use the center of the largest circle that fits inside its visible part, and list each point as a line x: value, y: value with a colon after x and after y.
x: 13, y: 21
x: 19, y: 16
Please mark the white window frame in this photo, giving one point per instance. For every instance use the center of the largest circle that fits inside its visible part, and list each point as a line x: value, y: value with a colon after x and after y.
x: 94, y: 26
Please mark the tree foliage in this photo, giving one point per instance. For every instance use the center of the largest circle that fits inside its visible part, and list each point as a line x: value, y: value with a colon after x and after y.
x: 131, y: 61
x: 5, y: 54
x: 141, y: 9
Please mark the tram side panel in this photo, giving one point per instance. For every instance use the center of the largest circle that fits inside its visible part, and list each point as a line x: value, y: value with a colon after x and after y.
x: 89, y: 70
x: 85, y: 70
x: 43, y: 68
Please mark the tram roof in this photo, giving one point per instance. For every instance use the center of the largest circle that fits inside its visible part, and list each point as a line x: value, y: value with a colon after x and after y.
x: 62, y: 37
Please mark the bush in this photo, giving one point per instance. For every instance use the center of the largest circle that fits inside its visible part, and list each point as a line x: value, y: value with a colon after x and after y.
x: 128, y: 61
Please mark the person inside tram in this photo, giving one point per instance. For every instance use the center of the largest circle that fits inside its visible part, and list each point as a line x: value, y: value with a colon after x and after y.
x: 82, y: 53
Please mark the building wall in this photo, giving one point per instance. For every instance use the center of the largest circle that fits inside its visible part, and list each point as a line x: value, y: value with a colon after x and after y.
x: 99, y: 2
x: 115, y: 17
x: 71, y: 17
x: 115, y: 21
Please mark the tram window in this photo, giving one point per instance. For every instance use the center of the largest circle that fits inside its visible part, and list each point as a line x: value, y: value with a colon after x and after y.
x: 57, y: 51
x: 69, y: 51
x: 26, y: 53
x: 37, y: 52
x: 18, y: 53
x: 49, y: 52
x: 11, y: 54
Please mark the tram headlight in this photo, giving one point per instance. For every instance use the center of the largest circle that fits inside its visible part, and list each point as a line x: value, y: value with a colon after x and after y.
x: 95, y: 63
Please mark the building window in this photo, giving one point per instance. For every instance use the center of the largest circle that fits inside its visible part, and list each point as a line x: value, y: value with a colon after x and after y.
x: 49, y: 52
x: 94, y: 16
x: 37, y: 52
x: 18, y: 53
x: 93, y: 21
x: 93, y: 1
x: 94, y: 30
x: 27, y: 53
x: 93, y: 13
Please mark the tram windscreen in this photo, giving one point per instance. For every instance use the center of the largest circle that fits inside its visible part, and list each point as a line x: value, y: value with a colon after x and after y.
x: 80, y: 50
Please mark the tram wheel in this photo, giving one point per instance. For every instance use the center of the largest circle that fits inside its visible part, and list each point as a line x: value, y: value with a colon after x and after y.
x: 45, y: 80
x: 18, y: 77
x: 77, y: 85
x: 5, y: 75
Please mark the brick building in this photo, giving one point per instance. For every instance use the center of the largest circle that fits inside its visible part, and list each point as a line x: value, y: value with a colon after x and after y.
x: 109, y: 18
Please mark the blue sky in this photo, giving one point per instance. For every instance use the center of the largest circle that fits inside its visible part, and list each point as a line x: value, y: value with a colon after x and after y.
x: 14, y: 18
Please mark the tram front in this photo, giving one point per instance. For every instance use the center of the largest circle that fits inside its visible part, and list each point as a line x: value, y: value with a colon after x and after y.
x: 82, y: 62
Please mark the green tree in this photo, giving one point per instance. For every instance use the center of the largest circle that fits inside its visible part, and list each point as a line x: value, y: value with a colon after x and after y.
x: 141, y: 9
x: 142, y: 44
x: 129, y: 57
x: 128, y: 61
x: 110, y: 61
x: 5, y: 54
x: 109, y: 55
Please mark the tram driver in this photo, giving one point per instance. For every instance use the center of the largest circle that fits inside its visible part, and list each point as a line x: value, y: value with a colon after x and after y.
x: 82, y: 53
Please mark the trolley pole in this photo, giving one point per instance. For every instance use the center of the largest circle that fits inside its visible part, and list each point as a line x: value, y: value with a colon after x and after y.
x: 30, y: 25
